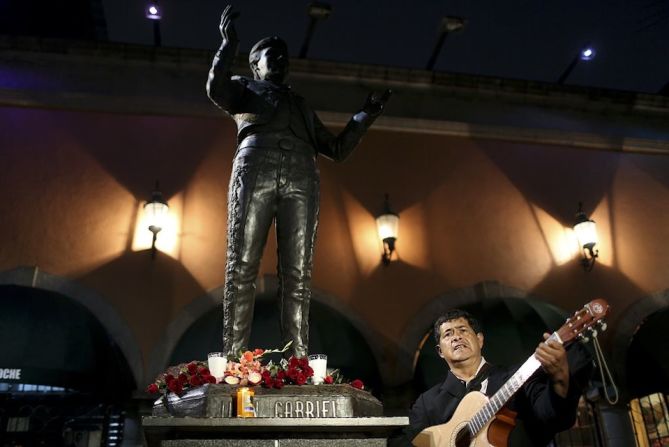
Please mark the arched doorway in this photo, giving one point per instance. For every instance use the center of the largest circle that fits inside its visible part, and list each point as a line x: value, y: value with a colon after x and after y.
x: 647, y: 363
x: 647, y: 369
x: 63, y: 377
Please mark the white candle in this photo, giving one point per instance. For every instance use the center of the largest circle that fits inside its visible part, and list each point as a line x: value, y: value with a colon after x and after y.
x: 217, y: 365
x: 319, y: 363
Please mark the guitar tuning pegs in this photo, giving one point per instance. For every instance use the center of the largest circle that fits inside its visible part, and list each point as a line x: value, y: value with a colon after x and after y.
x: 583, y: 338
x: 602, y: 325
x: 594, y: 332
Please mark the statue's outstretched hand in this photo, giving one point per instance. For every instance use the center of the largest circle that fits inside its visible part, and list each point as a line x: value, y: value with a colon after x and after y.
x: 227, y: 26
x: 374, y: 104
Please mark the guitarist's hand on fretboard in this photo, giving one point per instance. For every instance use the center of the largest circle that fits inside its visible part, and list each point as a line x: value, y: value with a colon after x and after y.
x: 553, y: 358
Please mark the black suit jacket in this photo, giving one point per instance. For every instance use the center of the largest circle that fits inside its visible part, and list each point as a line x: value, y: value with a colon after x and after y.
x: 543, y: 412
x: 253, y: 102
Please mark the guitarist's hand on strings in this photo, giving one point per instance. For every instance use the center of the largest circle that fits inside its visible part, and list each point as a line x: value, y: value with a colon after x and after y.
x: 553, y: 359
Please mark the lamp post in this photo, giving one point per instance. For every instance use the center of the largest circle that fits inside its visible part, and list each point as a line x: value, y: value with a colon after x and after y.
x: 153, y: 13
x: 586, y: 233
x: 387, y: 224
x: 448, y: 25
x: 156, y: 209
x: 317, y: 11
x: 587, y: 53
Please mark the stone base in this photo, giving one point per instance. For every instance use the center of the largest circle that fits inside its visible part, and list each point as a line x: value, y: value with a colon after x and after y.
x: 270, y: 432
x: 307, y: 401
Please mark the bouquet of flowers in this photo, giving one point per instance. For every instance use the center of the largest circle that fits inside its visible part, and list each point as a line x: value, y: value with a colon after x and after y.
x: 246, y: 369
x: 295, y: 371
x: 182, y: 377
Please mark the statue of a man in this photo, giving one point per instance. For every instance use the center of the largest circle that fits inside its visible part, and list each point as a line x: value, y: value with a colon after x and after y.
x: 274, y: 177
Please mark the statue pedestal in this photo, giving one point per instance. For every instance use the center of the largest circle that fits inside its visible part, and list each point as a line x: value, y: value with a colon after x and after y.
x: 295, y: 416
x: 306, y: 401
x: 270, y: 432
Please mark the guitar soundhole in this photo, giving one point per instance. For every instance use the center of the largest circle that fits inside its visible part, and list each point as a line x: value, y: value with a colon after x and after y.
x: 463, y: 438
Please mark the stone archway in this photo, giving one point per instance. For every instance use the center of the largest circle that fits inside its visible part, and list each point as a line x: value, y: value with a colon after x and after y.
x: 115, y: 326
x: 265, y: 287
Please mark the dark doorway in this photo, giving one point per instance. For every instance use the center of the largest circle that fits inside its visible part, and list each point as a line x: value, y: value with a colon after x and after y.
x: 63, y: 378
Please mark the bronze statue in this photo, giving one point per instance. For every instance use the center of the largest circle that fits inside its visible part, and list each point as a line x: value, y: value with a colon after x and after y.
x: 274, y: 177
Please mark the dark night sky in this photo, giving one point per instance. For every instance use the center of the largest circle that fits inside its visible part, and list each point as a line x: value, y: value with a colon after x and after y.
x: 520, y: 39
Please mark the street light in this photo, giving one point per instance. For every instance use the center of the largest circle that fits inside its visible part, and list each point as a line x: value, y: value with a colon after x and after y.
x: 587, y: 53
x: 153, y: 13
x: 317, y: 11
x: 449, y: 24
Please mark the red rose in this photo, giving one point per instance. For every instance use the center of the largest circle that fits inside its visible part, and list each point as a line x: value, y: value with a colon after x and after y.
x: 192, y: 368
x: 258, y: 352
x: 308, y: 371
x: 173, y: 386
x: 153, y: 388
x: 194, y: 381
x: 281, y: 375
x: 208, y: 378
x: 204, y: 371
x: 267, y: 379
x: 278, y: 384
x: 169, y: 378
x: 183, y: 378
x: 178, y: 389
x: 304, y: 362
x: 328, y: 379
x: 293, y: 362
x: 301, y: 379
x: 291, y: 373
x: 357, y: 383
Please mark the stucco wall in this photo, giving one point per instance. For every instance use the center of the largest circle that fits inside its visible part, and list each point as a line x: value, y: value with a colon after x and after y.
x: 471, y: 210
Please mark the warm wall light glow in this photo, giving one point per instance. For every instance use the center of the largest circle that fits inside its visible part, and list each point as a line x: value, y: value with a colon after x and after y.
x: 561, y: 240
x: 168, y: 240
x: 365, y: 237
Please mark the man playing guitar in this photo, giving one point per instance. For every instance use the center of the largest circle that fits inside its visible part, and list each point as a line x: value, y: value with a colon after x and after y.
x: 546, y: 403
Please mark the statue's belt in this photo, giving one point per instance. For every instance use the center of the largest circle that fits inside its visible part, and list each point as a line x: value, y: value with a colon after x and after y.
x: 283, y: 142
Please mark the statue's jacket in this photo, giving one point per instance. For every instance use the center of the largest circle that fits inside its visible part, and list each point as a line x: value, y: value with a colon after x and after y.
x: 255, y: 104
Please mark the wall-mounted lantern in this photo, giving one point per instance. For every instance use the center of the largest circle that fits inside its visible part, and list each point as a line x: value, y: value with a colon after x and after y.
x: 387, y: 224
x: 156, y: 209
x: 586, y: 233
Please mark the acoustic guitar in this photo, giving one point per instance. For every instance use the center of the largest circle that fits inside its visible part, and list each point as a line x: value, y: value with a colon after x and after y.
x: 480, y: 421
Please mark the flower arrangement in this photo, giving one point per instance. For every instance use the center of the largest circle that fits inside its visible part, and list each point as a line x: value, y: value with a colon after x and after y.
x: 294, y: 371
x: 247, y: 369
x: 182, y: 377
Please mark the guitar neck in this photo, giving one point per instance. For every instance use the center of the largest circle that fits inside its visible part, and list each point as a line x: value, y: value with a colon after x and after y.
x: 502, y: 396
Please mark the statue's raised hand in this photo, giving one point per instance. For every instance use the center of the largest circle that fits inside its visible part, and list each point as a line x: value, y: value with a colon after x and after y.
x: 374, y: 104
x: 227, y: 26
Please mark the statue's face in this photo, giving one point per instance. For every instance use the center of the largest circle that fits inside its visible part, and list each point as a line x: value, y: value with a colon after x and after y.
x: 272, y: 65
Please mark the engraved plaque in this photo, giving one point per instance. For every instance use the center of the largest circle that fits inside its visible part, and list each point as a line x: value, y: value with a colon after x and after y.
x: 307, y: 401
